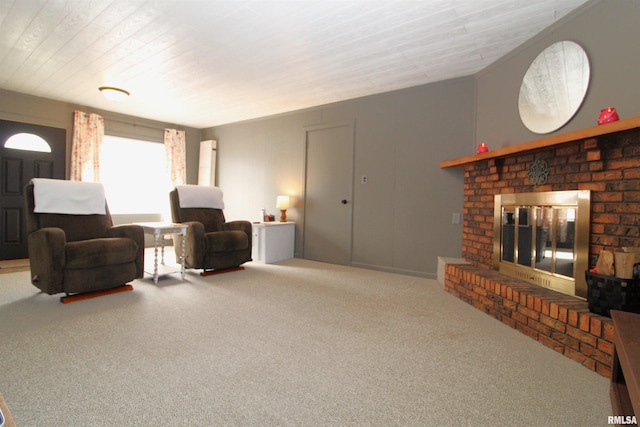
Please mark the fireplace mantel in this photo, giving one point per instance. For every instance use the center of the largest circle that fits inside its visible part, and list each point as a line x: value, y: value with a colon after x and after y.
x: 618, y: 126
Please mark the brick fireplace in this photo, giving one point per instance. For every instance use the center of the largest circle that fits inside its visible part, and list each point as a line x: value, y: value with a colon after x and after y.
x: 604, y: 160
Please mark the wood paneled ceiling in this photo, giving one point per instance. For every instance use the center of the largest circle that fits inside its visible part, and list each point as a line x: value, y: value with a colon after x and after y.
x: 210, y: 62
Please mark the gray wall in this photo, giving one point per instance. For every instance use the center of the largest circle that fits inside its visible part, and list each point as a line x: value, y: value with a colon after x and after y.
x: 609, y: 33
x: 402, y: 217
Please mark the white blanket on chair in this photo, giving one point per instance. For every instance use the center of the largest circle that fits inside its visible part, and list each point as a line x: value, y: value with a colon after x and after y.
x: 68, y: 197
x: 200, y: 196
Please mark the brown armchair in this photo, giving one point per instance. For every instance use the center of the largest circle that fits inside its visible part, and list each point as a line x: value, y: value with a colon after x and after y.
x: 79, y: 253
x: 211, y: 242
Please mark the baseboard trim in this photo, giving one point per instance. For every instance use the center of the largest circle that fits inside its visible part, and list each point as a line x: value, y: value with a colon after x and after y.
x: 395, y: 270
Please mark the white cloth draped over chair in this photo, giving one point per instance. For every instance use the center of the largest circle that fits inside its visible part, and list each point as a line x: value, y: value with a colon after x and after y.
x: 199, y: 196
x: 68, y: 197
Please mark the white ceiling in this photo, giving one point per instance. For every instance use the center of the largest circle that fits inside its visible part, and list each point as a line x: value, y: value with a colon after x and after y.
x: 210, y: 62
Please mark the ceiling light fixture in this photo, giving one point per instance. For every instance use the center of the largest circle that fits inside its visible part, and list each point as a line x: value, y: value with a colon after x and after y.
x: 114, y: 93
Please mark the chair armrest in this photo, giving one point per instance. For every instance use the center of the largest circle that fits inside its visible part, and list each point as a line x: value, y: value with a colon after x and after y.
x: 136, y: 233
x: 47, y: 258
x: 240, y: 225
x: 131, y: 231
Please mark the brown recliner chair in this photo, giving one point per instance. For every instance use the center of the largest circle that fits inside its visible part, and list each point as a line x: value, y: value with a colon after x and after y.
x: 211, y: 242
x: 79, y: 253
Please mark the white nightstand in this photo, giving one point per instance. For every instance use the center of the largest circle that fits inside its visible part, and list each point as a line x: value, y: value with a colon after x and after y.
x: 273, y: 241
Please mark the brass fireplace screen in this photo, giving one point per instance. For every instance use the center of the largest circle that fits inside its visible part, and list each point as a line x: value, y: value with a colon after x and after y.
x: 543, y: 238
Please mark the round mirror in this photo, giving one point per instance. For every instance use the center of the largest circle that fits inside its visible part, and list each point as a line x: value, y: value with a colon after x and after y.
x: 554, y: 87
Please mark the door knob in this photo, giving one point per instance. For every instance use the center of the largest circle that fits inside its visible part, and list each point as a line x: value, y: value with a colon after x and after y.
x: 344, y: 201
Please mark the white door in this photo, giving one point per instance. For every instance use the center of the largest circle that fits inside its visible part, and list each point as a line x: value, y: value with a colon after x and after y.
x: 328, y: 193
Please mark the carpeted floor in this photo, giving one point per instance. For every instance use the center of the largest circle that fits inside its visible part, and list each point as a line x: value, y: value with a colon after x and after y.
x: 298, y: 343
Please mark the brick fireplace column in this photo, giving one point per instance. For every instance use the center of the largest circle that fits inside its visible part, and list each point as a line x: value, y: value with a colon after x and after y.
x: 604, y: 160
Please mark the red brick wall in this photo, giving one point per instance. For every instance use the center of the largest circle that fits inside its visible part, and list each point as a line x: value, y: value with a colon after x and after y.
x: 608, y: 165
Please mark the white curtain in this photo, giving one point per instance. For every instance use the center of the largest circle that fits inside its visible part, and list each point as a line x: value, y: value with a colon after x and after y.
x: 88, y: 132
x: 174, y: 143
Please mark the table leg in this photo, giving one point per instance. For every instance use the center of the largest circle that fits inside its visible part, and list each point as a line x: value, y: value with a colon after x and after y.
x: 162, y: 244
x: 184, y: 248
x: 156, y: 236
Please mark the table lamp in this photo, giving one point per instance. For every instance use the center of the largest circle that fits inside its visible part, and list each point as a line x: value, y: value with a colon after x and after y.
x: 282, y: 203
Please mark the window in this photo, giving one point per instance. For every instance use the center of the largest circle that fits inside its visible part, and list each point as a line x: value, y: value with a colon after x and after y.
x: 135, y: 176
x: 28, y: 142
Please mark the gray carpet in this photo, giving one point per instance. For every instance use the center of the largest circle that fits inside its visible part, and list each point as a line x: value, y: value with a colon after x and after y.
x: 298, y: 343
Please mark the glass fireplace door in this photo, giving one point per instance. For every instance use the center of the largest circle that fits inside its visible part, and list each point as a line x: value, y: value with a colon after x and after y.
x: 544, y: 236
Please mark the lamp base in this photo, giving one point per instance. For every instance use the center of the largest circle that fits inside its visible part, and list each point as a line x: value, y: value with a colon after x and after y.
x: 283, y: 215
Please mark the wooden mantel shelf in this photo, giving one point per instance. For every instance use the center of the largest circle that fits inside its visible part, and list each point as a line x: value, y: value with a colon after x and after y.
x: 550, y: 141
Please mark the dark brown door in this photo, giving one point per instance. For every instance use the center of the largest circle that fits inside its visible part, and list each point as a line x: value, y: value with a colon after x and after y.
x: 17, y: 167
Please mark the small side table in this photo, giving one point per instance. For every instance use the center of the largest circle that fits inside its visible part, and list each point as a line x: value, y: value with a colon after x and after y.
x: 158, y: 230
x: 273, y: 241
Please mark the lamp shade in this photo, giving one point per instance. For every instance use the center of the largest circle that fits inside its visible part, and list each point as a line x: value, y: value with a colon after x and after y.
x: 282, y: 202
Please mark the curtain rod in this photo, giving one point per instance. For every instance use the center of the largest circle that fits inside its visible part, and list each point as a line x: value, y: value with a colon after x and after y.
x: 138, y: 124
x: 134, y: 124
x: 106, y: 116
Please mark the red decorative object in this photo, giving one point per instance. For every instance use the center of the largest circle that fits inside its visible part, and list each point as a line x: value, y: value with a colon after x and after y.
x: 608, y: 115
x: 482, y: 148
